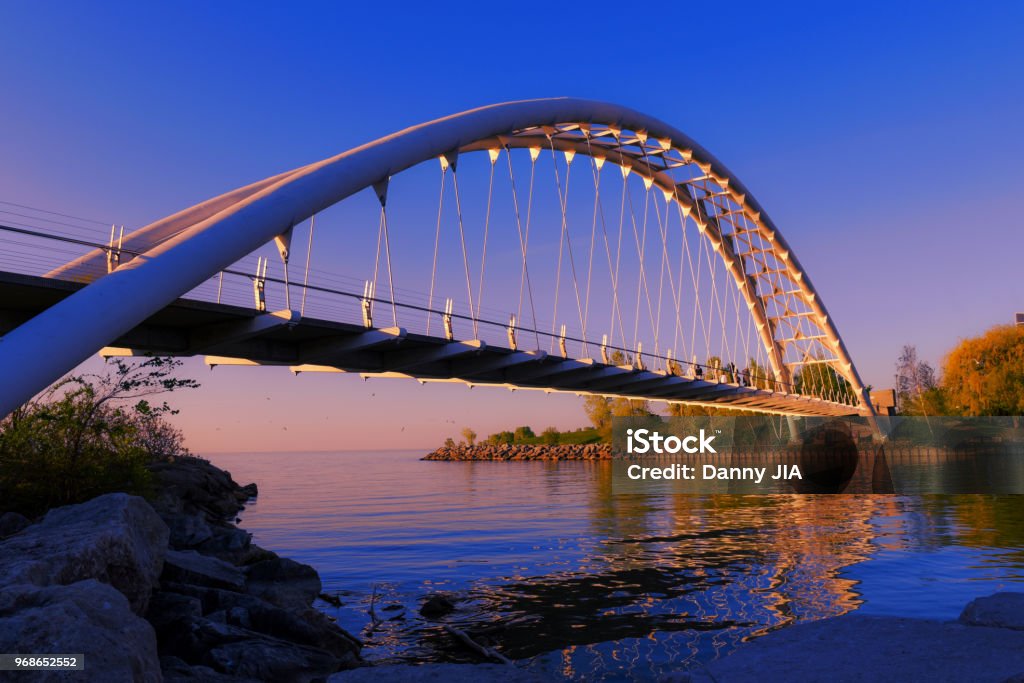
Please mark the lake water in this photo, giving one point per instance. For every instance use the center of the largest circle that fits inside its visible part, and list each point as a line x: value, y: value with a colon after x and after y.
x: 551, y: 566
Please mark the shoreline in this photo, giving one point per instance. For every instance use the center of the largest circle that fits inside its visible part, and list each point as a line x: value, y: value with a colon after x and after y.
x: 520, y: 452
x: 165, y: 589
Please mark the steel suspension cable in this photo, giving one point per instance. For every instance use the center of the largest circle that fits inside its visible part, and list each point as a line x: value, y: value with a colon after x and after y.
x: 493, y: 156
x: 564, y: 205
x: 437, y: 241
x: 465, y: 252
x: 525, y: 283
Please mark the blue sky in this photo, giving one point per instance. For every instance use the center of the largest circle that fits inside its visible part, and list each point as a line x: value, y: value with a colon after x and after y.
x: 884, y: 140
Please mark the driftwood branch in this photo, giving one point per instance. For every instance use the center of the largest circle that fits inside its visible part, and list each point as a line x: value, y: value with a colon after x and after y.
x: 488, y: 652
x: 374, y: 620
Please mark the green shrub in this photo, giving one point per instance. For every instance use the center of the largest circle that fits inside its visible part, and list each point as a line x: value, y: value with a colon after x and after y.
x: 88, y: 435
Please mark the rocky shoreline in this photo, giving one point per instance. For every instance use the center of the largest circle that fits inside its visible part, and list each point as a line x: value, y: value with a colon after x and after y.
x: 521, y: 452
x: 171, y: 590
x: 164, y: 590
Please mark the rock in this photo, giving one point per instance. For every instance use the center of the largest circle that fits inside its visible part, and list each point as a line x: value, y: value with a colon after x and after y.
x: 188, y: 529
x: 253, y: 554
x: 115, y: 538
x: 188, y: 566
x: 177, y: 670
x: 1001, y: 610
x: 522, y: 452
x: 436, y: 606
x: 272, y: 660
x: 856, y: 647
x: 310, y: 627
x: 238, y: 651
x: 194, y: 485
x: 283, y: 582
x: 330, y: 599
x: 86, y: 617
x: 11, y: 523
x: 227, y: 543
x: 442, y: 673
x: 167, y: 609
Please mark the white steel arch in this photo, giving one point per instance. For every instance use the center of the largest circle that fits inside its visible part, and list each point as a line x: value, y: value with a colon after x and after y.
x: 177, y: 253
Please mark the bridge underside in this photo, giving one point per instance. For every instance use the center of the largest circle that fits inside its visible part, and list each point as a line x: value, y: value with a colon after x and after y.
x: 233, y: 335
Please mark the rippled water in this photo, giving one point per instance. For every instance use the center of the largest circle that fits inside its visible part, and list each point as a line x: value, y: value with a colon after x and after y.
x: 555, y: 568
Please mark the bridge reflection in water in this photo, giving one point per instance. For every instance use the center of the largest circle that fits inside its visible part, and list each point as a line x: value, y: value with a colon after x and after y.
x: 557, y: 568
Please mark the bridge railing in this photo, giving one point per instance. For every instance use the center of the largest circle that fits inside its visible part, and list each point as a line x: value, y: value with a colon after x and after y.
x: 36, y: 250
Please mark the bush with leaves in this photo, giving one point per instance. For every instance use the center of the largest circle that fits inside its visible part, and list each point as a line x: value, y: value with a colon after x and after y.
x: 88, y: 435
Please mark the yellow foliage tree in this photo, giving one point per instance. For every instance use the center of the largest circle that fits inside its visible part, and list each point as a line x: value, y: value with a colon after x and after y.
x: 985, y: 375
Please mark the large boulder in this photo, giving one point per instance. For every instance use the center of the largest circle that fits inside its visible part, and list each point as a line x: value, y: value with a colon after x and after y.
x: 191, y: 485
x: 1002, y: 610
x: 283, y: 582
x: 88, y: 618
x: 188, y: 566
x: 117, y: 539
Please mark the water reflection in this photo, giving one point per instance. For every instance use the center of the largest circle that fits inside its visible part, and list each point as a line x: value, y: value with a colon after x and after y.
x: 554, y: 567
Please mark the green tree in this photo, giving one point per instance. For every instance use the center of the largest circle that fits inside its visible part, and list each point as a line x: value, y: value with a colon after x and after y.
x: 522, y: 434
x: 469, y: 436
x: 501, y: 438
x: 822, y: 380
x: 985, y: 375
x: 601, y: 410
x: 549, y: 437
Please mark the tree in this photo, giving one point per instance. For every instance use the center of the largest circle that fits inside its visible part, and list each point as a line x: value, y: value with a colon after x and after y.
x: 760, y: 377
x: 914, y: 380
x: 712, y: 368
x: 469, y: 435
x: 985, y: 375
x: 549, y: 437
x: 822, y: 380
x: 501, y: 438
x: 522, y: 434
x: 601, y: 410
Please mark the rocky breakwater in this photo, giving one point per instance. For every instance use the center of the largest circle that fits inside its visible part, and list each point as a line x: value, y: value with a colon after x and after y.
x: 164, y: 590
x: 518, y: 452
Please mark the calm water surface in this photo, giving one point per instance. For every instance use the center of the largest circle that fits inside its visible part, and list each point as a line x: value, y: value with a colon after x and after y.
x: 555, y: 569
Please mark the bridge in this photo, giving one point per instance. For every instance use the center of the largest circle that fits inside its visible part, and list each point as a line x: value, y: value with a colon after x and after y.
x: 559, y: 245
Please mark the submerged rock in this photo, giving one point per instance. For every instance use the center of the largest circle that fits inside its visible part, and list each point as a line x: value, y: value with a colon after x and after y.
x: 436, y: 606
x: 1001, y: 610
x: 116, y: 538
x: 86, y: 617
